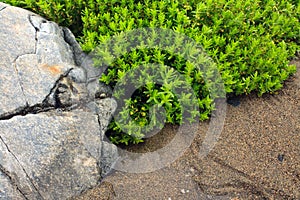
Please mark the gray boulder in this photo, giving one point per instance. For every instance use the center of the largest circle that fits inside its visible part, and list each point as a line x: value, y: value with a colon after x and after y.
x: 52, y: 123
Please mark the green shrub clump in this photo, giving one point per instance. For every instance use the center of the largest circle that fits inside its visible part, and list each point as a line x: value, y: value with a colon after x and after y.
x: 250, y: 41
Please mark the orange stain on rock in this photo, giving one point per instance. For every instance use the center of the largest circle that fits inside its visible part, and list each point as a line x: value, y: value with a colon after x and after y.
x: 54, y: 69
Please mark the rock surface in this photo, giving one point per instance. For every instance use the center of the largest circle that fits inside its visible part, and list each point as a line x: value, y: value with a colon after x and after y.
x: 51, y: 123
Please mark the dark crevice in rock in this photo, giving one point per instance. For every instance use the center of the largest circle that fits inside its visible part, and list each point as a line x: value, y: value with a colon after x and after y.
x: 45, y: 106
x: 39, y: 108
x: 69, y: 38
x: 32, y: 23
x: 7, y: 173
x: 3, y: 8
x: 26, y: 110
x: 62, y: 88
x: 52, y: 91
x: 36, y: 30
x: 101, y: 148
x: 103, y: 174
x: 99, y: 121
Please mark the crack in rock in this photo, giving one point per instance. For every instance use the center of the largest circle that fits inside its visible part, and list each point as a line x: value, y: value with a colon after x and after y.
x: 55, y: 86
x: 38, y: 80
x: 11, y: 180
x: 69, y: 38
x: 26, y: 111
x: 2, y: 8
x: 36, y: 30
x: 75, y: 142
x: 45, y: 106
x: 101, y: 148
x: 54, y: 99
x: 7, y: 173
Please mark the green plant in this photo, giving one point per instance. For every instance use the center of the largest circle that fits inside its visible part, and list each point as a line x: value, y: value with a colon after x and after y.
x: 251, y: 41
x: 181, y: 95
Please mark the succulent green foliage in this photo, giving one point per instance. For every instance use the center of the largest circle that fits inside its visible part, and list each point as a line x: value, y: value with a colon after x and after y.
x: 251, y: 41
x: 158, y: 85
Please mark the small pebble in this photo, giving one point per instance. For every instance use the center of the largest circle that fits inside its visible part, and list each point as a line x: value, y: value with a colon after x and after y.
x: 182, y: 191
x: 103, y: 95
x: 169, y: 198
x: 280, y: 157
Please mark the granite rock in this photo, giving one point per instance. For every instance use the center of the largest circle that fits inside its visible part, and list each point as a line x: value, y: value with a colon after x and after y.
x: 52, y: 141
